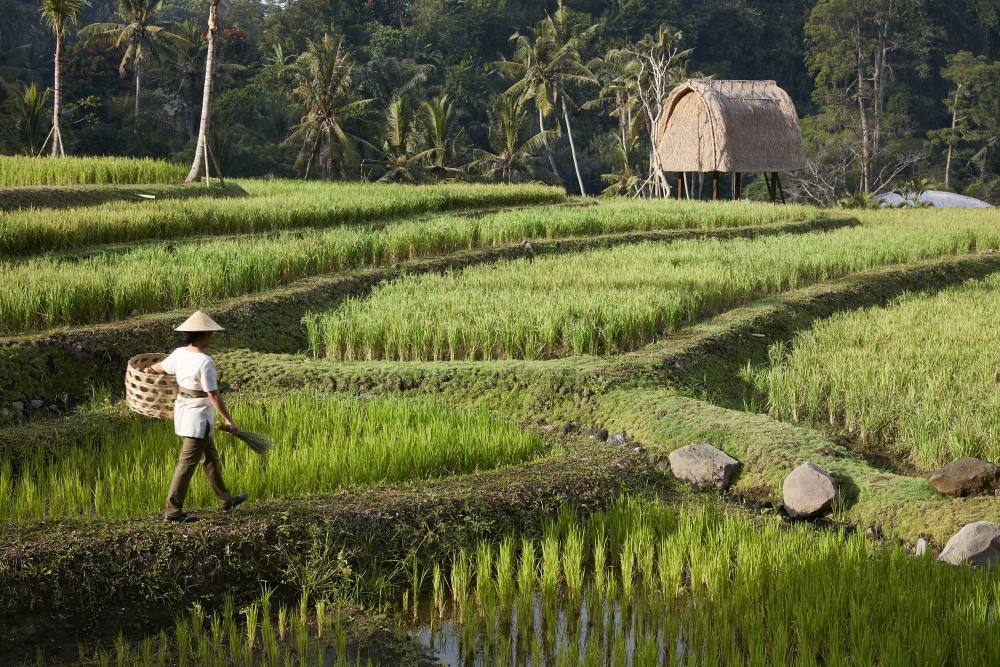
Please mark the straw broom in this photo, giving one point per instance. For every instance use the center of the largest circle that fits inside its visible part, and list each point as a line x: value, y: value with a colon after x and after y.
x: 257, y: 443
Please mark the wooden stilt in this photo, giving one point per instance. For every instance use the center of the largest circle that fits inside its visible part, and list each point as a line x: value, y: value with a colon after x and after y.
x: 680, y: 185
x: 738, y: 186
x: 771, y: 196
x: 777, y: 184
x: 715, y: 186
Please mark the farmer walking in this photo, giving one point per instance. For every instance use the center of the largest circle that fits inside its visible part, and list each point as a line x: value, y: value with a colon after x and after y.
x: 198, y: 399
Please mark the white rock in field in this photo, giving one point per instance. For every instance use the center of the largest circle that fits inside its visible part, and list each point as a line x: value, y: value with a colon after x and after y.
x: 704, y: 466
x: 976, y: 544
x: 808, y: 491
x: 921, y: 547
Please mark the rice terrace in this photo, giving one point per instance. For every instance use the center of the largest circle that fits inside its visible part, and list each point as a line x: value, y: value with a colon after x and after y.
x: 557, y: 333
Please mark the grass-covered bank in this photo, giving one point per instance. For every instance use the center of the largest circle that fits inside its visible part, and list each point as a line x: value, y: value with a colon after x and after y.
x: 321, y: 444
x: 19, y: 170
x: 75, y: 196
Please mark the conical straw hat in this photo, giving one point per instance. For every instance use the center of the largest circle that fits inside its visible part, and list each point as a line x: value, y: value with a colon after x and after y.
x: 199, y: 322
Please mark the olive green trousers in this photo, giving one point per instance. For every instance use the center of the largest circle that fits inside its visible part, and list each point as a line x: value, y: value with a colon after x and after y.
x: 193, y: 452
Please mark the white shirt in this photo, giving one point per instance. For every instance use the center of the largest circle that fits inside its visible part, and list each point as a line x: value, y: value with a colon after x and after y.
x: 193, y: 417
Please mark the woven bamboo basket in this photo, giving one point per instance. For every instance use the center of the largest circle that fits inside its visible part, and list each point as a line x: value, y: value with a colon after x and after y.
x: 149, y: 394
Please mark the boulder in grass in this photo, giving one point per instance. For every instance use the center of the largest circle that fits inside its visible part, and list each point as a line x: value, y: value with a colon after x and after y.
x: 976, y: 544
x: 808, y: 492
x: 966, y: 477
x: 704, y: 466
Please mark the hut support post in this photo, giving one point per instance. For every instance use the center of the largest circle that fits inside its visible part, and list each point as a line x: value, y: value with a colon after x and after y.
x: 777, y: 186
x: 680, y: 185
x: 715, y: 186
x: 771, y: 194
x: 737, y: 186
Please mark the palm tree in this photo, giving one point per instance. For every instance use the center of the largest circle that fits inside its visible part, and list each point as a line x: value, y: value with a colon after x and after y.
x: 326, y: 88
x: 30, y: 104
x: 201, y: 152
x: 439, y: 134
x: 545, y: 65
x: 403, y: 158
x: 510, y: 160
x: 142, y: 38
x: 59, y: 14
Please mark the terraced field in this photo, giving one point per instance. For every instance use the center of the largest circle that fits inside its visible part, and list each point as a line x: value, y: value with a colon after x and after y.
x: 473, y: 392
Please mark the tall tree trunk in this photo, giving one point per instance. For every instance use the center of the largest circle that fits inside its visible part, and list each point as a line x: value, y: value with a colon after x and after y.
x: 198, y: 166
x: 57, y: 145
x: 137, y: 75
x: 572, y: 147
x: 951, y: 140
x: 548, y: 150
x: 865, y: 133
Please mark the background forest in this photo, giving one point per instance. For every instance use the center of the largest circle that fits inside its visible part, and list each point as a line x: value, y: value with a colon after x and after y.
x: 890, y: 91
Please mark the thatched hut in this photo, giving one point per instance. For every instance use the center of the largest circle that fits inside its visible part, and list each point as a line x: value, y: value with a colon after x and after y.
x: 732, y: 127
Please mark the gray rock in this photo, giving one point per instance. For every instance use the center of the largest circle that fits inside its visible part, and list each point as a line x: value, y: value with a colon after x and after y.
x: 704, y: 466
x: 616, y: 439
x: 37, y: 403
x: 18, y: 406
x: 921, y: 547
x: 808, y: 491
x: 601, y: 434
x: 976, y: 544
x: 966, y: 477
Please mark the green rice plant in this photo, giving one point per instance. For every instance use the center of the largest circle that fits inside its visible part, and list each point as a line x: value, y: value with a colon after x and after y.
x: 322, y: 444
x: 460, y: 577
x: 119, y: 283
x: 761, y: 594
x: 437, y: 583
x: 572, y: 562
x: 18, y: 170
x: 484, y: 574
x: 297, y: 206
x: 910, y: 378
x: 550, y: 562
x: 505, y: 573
x: 527, y: 571
x: 610, y: 301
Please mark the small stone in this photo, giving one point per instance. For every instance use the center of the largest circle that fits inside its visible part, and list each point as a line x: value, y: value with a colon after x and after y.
x: 18, y: 406
x: 808, y: 491
x: 875, y: 532
x: 966, y: 477
x: 567, y: 428
x: 704, y: 466
x: 37, y: 403
x: 976, y: 544
x: 54, y: 408
x: 617, y: 439
x: 601, y: 434
x: 921, y: 547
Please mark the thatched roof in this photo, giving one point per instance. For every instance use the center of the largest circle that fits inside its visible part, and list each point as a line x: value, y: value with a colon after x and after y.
x: 744, y: 126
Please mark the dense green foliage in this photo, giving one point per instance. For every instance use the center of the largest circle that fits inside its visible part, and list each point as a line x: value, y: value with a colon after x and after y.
x: 15, y: 171
x: 918, y: 378
x: 321, y: 444
x: 417, y: 90
x: 602, y: 302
